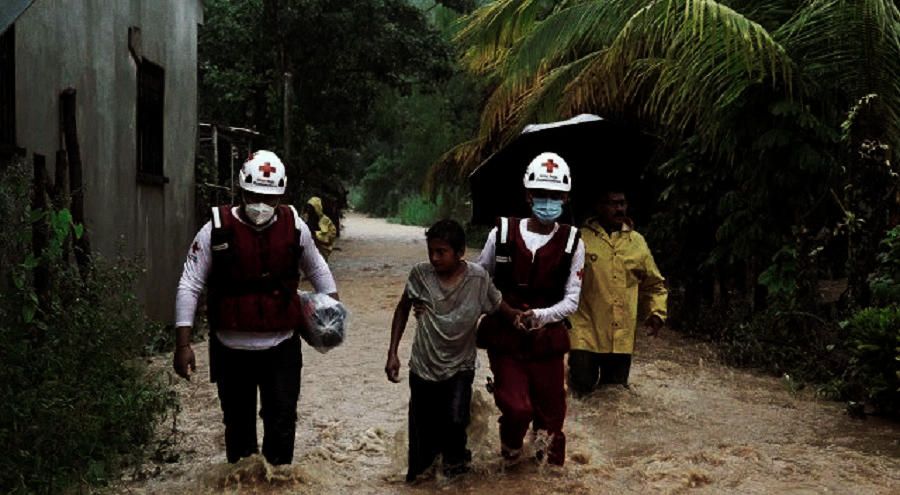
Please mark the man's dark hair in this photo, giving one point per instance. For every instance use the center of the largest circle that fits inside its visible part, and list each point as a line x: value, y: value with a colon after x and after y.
x: 604, y: 191
x: 449, y: 231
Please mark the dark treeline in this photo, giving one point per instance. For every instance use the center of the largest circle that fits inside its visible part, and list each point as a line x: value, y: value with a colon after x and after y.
x: 374, y: 94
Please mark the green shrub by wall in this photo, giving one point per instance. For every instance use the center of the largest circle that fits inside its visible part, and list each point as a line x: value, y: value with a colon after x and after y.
x: 76, y: 401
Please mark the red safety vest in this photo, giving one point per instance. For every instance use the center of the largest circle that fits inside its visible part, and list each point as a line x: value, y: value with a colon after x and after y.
x: 254, y: 276
x: 529, y: 282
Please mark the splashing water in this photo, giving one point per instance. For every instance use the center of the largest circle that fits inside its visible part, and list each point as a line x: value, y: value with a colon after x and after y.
x: 687, y: 424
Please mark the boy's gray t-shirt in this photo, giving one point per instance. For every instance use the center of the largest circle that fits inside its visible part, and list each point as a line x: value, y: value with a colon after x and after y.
x: 445, y: 332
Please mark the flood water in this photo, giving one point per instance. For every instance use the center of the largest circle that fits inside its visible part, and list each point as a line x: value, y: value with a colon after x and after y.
x: 687, y: 424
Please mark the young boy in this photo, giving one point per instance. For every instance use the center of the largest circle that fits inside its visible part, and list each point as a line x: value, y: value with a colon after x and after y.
x: 452, y: 294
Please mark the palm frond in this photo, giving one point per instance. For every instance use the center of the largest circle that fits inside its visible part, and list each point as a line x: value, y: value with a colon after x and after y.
x: 854, y: 45
x: 500, y: 108
x: 542, y: 102
x: 455, y: 165
x: 566, y: 35
x: 681, y: 62
x: 492, y: 29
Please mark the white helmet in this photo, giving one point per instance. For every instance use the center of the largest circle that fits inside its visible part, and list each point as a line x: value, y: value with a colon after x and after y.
x: 263, y: 173
x: 548, y: 171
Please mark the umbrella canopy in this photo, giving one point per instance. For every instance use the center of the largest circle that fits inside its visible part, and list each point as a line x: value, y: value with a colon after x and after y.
x: 599, y: 152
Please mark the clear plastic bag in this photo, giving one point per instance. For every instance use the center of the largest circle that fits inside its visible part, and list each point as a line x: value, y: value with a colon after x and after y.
x: 326, y: 321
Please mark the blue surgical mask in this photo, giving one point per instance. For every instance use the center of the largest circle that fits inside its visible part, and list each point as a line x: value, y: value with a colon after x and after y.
x: 546, y: 210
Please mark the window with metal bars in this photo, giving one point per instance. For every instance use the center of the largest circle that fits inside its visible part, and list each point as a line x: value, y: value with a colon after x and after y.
x: 150, y: 122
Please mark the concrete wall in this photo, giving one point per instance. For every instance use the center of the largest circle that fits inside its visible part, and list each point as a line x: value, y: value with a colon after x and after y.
x: 84, y: 44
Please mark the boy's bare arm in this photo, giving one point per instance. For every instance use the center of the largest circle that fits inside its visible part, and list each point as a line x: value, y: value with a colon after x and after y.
x: 398, y: 325
x: 508, y: 312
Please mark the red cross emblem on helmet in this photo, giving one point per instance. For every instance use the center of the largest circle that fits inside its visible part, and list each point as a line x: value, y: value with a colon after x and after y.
x: 267, y: 169
x: 548, y: 171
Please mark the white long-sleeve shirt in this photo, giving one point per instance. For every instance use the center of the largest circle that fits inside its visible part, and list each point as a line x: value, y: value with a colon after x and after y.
x: 533, y: 242
x: 196, y: 271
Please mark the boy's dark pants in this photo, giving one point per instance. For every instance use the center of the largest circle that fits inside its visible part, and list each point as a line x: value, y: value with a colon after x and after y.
x: 276, y: 372
x: 438, y: 417
x: 527, y: 390
x: 588, y: 369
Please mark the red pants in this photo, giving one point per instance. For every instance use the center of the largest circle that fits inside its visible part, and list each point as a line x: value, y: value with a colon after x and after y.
x: 529, y: 391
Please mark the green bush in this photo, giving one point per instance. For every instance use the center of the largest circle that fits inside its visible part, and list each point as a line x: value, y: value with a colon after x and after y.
x: 885, y: 280
x: 873, y: 373
x: 77, y: 403
x: 416, y: 210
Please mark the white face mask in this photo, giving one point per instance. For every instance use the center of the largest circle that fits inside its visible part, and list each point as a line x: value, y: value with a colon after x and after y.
x: 259, y: 213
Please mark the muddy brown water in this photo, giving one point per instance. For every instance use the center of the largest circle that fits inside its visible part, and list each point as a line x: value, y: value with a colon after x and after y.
x: 688, y: 424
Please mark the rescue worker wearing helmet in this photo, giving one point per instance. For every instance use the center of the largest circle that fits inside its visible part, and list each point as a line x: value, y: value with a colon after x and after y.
x: 536, y: 263
x: 249, y: 258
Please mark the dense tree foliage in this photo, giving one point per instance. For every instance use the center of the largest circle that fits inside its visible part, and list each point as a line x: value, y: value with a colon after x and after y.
x: 341, y: 60
x: 412, y: 131
x: 775, y: 123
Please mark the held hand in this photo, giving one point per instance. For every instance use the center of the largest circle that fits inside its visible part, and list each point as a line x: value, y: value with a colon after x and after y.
x: 654, y: 324
x: 510, y: 313
x: 525, y: 321
x: 184, y: 363
x: 392, y: 368
x: 513, y: 315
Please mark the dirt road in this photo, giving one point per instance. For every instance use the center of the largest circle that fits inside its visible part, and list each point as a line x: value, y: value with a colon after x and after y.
x: 688, y: 424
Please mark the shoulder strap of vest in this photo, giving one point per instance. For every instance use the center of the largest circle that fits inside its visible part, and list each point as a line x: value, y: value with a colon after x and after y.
x: 290, y: 210
x: 574, y: 234
x: 571, y: 245
x: 221, y: 237
x: 222, y: 219
x: 502, y: 246
x: 503, y: 230
x: 294, y: 214
x: 216, y: 217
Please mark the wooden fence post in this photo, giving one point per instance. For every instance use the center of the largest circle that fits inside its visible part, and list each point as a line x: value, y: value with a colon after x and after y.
x: 73, y: 151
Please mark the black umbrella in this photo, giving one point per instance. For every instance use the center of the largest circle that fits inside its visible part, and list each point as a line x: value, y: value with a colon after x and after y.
x: 599, y: 153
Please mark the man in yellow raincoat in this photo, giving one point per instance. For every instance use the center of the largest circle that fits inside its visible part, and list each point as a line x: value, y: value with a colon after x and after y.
x: 323, y: 229
x: 621, y: 286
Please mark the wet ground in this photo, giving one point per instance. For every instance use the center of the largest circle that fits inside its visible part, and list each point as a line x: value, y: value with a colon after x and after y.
x: 688, y: 424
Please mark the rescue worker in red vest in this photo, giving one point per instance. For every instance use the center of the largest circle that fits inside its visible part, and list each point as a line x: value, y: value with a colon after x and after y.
x: 249, y: 258
x: 536, y: 263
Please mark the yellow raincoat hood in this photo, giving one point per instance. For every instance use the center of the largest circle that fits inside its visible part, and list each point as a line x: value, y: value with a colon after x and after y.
x: 316, y: 203
x: 325, y: 232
